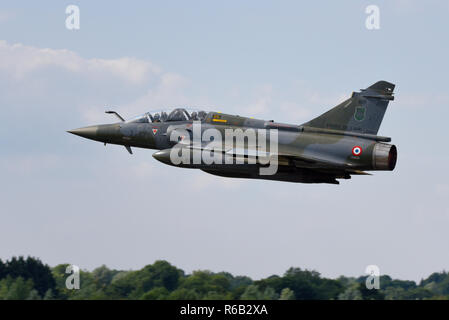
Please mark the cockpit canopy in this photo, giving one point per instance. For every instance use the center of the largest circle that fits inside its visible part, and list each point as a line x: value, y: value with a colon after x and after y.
x: 178, y: 114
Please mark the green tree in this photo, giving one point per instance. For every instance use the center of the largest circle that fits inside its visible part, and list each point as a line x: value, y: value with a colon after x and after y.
x: 31, y: 268
x: 49, y: 295
x: 134, y: 284
x: 59, y: 276
x: 2, y: 269
x: 237, y: 285
x: 253, y: 292
x: 287, y: 294
x: 183, y: 294
x: 5, y: 283
x: 212, y: 295
x: 305, y: 284
x: 19, y: 289
x: 103, y: 275
x: 159, y: 293
x: 206, y: 282
x: 436, y: 277
x: 370, y: 294
x: 34, y: 295
x: 351, y: 293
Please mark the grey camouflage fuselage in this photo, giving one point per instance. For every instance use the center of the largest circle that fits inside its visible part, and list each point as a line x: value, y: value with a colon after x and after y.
x: 340, y: 143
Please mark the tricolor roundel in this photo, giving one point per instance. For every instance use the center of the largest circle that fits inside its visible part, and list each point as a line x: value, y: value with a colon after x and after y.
x: 357, y: 151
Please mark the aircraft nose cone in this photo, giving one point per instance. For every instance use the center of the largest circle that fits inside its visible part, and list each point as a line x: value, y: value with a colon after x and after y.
x: 86, y: 132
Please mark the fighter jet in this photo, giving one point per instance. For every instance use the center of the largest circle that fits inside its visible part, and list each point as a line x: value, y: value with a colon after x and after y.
x: 335, y: 145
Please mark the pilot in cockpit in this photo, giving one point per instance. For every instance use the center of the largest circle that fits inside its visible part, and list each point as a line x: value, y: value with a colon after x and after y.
x: 201, y: 115
x: 157, y: 117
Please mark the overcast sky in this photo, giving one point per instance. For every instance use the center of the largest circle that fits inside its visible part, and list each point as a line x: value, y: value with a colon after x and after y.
x: 65, y: 199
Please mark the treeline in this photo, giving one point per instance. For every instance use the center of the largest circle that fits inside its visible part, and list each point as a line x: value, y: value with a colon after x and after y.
x: 29, y: 278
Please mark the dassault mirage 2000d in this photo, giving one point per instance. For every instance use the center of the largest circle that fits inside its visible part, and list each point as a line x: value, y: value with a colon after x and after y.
x: 339, y: 143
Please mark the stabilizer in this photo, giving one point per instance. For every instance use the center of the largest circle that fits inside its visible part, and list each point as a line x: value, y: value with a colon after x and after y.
x: 362, y: 113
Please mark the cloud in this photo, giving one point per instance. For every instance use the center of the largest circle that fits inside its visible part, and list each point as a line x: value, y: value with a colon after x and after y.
x: 297, y: 106
x: 166, y: 92
x: 18, y: 61
x: 56, y: 80
x: 44, y: 72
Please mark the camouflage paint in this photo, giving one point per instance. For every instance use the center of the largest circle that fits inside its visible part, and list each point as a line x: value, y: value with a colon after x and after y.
x: 318, y: 151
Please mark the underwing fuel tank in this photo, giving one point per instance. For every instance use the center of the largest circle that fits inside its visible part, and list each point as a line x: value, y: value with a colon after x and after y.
x: 164, y: 156
x: 384, y: 156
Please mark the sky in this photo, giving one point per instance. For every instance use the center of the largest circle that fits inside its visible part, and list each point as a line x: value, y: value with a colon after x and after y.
x: 66, y: 199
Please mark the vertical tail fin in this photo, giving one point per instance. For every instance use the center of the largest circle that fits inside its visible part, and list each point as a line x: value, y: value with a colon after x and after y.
x: 363, y: 112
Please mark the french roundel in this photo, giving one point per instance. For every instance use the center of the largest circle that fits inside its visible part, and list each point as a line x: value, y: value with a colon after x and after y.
x: 357, y: 151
